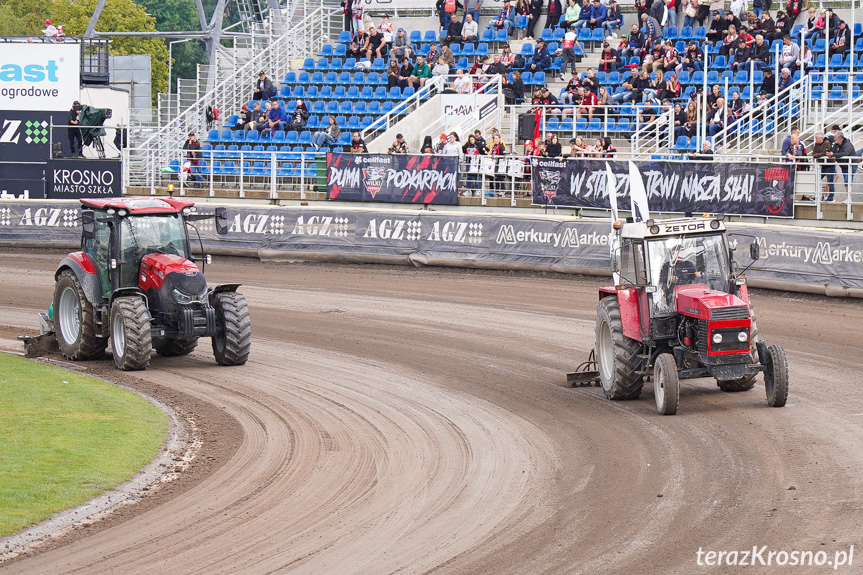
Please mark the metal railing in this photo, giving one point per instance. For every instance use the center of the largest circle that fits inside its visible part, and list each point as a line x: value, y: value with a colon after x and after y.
x: 487, y: 86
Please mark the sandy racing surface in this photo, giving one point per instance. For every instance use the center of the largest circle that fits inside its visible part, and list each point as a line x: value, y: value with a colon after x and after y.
x: 413, y: 421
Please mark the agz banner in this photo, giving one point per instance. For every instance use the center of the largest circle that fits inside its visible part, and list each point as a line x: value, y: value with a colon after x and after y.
x: 392, y: 178
x: 715, y: 187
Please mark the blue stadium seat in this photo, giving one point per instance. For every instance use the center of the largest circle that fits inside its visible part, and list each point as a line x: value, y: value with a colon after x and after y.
x: 304, y: 78
x: 285, y: 169
x: 430, y: 37
x: 366, y: 93
x: 374, y: 107
x: 501, y: 36
x: 407, y: 92
x: 552, y: 124
x: 239, y: 136
x: 520, y: 22
x: 285, y: 92
x: 546, y: 35
x: 314, y: 122
x: 395, y: 93
x: 322, y: 64
x: 469, y: 50
x: 581, y: 124
x: 685, y: 33
x: 219, y: 151
x: 462, y: 64
x: 341, y: 51
x: 308, y: 64
x: 349, y: 64
x: 820, y: 45
x: 487, y: 36
x: 381, y: 93
x: 670, y: 33
x: 378, y: 65
x: 340, y: 93
x: 360, y: 108
x: 354, y: 123
x: 347, y: 108
x: 415, y: 37
x: 344, y: 79
x: 836, y: 93
x: 558, y: 35
x: 482, y: 49
x: 345, y: 37
x: 527, y: 78
x: 456, y: 48
x: 252, y: 136
x: 387, y: 107
x: 232, y: 121
x: 584, y: 35
x: 227, y: 136
x: 623, y: 125
x: 212, y: 136
x: 326, y: 92
x: 332, y: 107
x: 712, y: 77
x: 538, y: 78
x: 299, y: 92
x: 353, y: 93
x: 305, y: 137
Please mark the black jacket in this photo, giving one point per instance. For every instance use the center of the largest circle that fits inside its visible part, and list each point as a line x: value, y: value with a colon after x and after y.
x: 844, y: 153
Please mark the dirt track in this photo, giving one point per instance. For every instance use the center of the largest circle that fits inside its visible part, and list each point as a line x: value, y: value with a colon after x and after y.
x: 413, y: 421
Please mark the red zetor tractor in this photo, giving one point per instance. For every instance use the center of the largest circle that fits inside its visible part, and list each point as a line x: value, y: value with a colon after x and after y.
x: 679, y: 311
x: 135, y: 283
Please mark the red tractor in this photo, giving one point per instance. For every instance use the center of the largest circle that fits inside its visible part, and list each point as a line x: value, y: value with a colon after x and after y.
x: 679, y: 311
x: 135, y: 282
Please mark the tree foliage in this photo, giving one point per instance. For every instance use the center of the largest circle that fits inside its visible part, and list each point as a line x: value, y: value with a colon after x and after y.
x: 23, y: 17
x: 119, y: 16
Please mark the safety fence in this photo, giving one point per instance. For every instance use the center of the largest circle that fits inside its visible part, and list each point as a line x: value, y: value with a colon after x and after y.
x: 797, y: 259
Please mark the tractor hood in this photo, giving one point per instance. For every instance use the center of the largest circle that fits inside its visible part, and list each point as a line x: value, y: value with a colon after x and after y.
x: 154, y: 268
x: 708, y: 304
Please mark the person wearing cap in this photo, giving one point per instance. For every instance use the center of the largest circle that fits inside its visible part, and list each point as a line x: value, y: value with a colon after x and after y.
x: 264, y: 89
x: 693, y: 58
x: 50, y: 31
x: 506, y: 19
x: 614, y: 19
x: 76, y: 143
x: 442, y: 140
x: 399, y: 146
x: 244, y: 119
x: 469, y: 30
x: 541, y: 58
x: 608, y: 58
x: 299, y: 117
x: 571, y: 15
x: 401, y: 47
x: 596, y: 16
x: 193, y: 149
x: 277, y: 118
x: 446, y: 53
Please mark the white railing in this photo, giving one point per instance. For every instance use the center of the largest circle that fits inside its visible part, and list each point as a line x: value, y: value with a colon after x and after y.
x: 143, y: 162
x: 471, y: 101
x: 386, y: 121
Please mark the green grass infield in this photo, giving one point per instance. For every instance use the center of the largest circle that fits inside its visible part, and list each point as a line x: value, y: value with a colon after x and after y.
x: 65, y: 438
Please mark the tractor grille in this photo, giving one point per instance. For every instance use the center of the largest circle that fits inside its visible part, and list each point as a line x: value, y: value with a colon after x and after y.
x: 724, y: 313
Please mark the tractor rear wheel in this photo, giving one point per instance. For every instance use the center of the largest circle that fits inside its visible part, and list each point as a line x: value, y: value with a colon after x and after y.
x: 616, y: 355
x: 131, y: 339
x: 746, y: 382
x: 666, y: 384
x: 776, y: 376
x: 173, y: 347
x: 233, y: 339
x: 75, y: 320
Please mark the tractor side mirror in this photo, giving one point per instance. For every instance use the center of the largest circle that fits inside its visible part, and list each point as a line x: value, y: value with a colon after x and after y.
x: 754, y: 251
x: 88, y: 224
x: 221, y: 221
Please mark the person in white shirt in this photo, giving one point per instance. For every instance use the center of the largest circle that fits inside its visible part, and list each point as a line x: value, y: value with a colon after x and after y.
x: 470, y: 29
x: 441, y: 68
x: 452, y: 146
x: 463, y: 83
x: 50, y: 31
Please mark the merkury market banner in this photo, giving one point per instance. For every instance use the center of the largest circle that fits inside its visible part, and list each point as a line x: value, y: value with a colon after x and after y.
x: 392, y: 178
x: 713, y: 187
x: 800, y: 258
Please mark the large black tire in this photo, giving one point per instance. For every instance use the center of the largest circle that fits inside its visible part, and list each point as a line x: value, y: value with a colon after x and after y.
x: 233, y: 339
x: 174, y: 347
x: 776, y: 376
x: 131, y: 339
x: 746, y: 382
x: 616, y: 355
x: 666, y: 384
x: 75, y: 320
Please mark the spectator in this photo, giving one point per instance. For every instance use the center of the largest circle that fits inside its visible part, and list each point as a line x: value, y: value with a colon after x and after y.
x: 393, y: 73
x: 790, y: 54
x: 673, y: 89
x: 586, y: 103
x: 498, y: 150
x: 264, y: 89
x: 375, y: 45
x: 783, y: 26
x: 507, y: 58
x: 535, y: 8
x: 469, y: 30
x: 463, y: 83
x: 651, y: 25
x: 276, y: 117
x: 831, y: 135
x: 506, y: 19
x: 716, y: 7
x: 445, y: 8
x: 608, y: 147
x: 50, y: 30
x: 552, y: 17
x: 386, y: 28
x: 759, y: 54
x: 796, y: 150
x: 794, y: 7
x: 841, y: 39
x: 260, y: 115
x: 768, y: 84
x: 541, y: 58
x: 446, y: 53
x: 193, y: 149
x: 479, y: 139
x: 607, y: 58
x: 348, y: 14
x: 597, y: 15
x: 553, y: 148
x: 496, y: 67
x: 690, y: 12
x: 401, y: 46
x: 590, y: 81
x: 844, y: 155
x: 598, y: 149
x: 299, y: 117
x: 442, y: 141
x: 453, y: 29
x: 473, y: 8
x: 358, y: 145
x: 452, y: 146
x: 831, y: 20
x: 693, y: 58
x: 614, y: 19
x: 806, y: 58
x: 717, y: 28
x: 786, y: 143
x: 330, y: 134
x: 357, y: 14
x: 76, y: 142
x: 441, y: 68
x: 577, y: 147
x: 514, y: 91
x: 814, y: 24
x: 427, y: 147
x: 419, y: 74
x: 628, y: 93
x: 705, y: 154
x: 729, y: 41
x: 740, y: 56
x: 358, y: 44
x: 245, y: 118
x: 470, y: 149
x: 571, y: 15
x: 820, y: 150
x: 784, y: 79
x: 679, y: 121
x: 399, y: 146
x: 569, y: 43
x: 658, y: 9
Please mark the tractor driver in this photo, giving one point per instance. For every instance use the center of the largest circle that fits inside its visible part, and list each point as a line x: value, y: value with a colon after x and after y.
x: 683, y: 271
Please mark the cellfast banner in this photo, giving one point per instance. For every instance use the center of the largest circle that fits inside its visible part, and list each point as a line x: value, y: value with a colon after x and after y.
x: 792, y: 258
x: 39, y: 77
x: 392, y: 178
x: 714, y: 187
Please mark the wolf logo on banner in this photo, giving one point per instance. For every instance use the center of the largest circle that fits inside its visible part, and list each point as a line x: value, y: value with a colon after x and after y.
x: 550, y: 183
x: 373, y: 178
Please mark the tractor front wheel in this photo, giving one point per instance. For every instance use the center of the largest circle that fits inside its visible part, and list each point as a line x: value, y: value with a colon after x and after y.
x: 131, y: 339
x: 616, y: 355
x: 233, y: 339
x: 666, y: 384
x: 776, y: 376
x: 75, y: 320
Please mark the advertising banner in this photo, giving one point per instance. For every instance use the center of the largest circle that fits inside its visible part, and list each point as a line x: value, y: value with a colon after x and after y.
x: 75, y: 178
x: 392, y: 178
x: 22, y: 181
x: 796, y: 258
x: 26, y: 136
x: 714, y: 187
x: 39, y: 77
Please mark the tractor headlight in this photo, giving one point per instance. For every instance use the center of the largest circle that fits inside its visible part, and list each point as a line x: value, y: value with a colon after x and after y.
x: 717, y: 338
x: 742, y: 336
x: 180, y: 297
